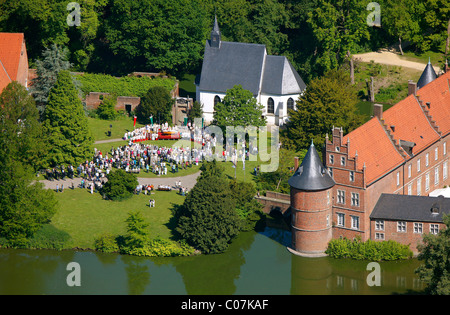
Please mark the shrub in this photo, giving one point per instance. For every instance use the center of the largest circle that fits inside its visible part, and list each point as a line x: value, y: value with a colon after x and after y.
x: 49, y: 237
x: 106, y: 243
x: 120, y: 185
x: 369, y: 250
x: 106, y: 110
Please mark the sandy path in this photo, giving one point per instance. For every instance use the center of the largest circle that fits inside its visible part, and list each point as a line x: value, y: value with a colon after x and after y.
x: 390, y: 58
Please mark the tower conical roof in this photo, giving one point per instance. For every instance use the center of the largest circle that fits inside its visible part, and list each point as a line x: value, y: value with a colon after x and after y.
x: 311, y: 174
x: 427, y: 76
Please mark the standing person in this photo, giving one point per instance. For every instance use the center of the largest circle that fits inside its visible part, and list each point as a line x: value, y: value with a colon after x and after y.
x: 57, y: 187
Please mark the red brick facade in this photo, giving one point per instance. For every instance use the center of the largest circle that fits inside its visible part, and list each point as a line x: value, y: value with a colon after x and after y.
x: 311, y: 220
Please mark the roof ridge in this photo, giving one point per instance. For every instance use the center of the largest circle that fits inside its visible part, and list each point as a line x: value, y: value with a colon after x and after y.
x: 1, y: 63
x: 391, y: 137
x: 427, y: 115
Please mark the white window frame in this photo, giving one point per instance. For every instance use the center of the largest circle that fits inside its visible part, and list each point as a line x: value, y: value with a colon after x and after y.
x: 331, y: 159
x: 409, y: 189
x: 379, y: 236
x: 355, y: 199
x: 342, y: 160
x: 419, y: 186
x: 379, y: 225
x: 427, y: 159
x: 355, y: 222
x: 418, y: 228
x: 444, y: 148
x: 401, y: 226
x: 427, y: 181
x: 409, y: 170
x: 398, y: 178
x: 340, y: 219
x: 418, y: 166
x: 352, y: 176
x: 434, y: 228
x: 445, y: 170
x: 436, y: 175
x: 341, y: 196
x: 436, y: 154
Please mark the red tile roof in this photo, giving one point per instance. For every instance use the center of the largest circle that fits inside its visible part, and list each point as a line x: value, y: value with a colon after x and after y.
x: 375, y: 149
x: 10, y: 51
x: 438, y: 94
x: 410, y: 123
x: 377, y: 144
x: 4, y: 77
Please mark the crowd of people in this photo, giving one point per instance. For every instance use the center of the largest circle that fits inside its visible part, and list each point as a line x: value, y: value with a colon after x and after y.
x: 138, y: 156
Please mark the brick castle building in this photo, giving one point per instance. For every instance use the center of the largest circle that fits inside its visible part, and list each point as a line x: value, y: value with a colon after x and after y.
x: 381, y: 174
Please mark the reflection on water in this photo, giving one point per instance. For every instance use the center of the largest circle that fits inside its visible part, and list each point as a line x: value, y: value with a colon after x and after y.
x: 256, y: 263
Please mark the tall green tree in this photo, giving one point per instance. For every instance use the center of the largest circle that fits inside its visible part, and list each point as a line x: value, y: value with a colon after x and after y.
x: 157, y: 35
x: 207, y: 219
x: 402, y: 19
x: 434, y: 254
x: 54, y: 59
x: 157, y: 103
x: 238, y: 108
x: 65, y: 124
x: 24, y: 205
x: 339, y: 27
x: 329, y: 101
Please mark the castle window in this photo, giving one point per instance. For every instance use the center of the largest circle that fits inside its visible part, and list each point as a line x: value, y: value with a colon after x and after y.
x: 427, y: 181
x: 331, y: 158
x: 436, y: 175
x: 436, y: 155
x: 434, y: 228
x: 444, y: 148
x: 328, y: 220
x: 379, y: 236
x: 355, y: 199
x: 216, y: 100
x: 419, y: 186
x: 427, y: 159
x: 352, y: 176
x: 418, y: 165
x: 340, y: 219
x: 343, y: 160
x: 270, y: 106
x: 409, y: 189
x: 409, y: 170
x: 418, y: 228
x: 379, y: 225
x: 330, y: 172
x: 445, y: 170
x: 401, y: 226
x: 355, y: 222
x: 398, y: 178
x: 341, y: 196
x: 290, y: 103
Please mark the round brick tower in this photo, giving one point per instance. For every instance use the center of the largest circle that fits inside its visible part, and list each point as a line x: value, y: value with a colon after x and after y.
x: 311, y: 204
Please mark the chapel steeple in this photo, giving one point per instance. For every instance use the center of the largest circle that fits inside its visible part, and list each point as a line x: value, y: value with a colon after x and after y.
x: 215, y: 34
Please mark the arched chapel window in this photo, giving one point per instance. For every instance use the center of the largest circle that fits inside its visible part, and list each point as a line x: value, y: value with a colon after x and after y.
x: 270, y: 106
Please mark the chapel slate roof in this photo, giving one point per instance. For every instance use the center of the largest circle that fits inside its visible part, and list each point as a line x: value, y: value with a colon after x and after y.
x: 427, y: 76
x: 280, y: 78
x: 311, y: 175
x: 410, y: 208
x: 232, y: 64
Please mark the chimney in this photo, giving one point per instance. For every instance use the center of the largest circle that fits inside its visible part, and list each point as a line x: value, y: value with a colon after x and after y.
x: 428, y: 104
x: 412, y: 87
x: 378, y: 110
x: 295, y: 163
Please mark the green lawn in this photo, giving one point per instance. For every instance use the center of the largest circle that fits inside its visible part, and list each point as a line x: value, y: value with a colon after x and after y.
x: 100, y: 127
x: 85, y: 216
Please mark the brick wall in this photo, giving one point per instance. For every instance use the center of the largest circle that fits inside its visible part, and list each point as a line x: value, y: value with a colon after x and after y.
x: 311, y: 220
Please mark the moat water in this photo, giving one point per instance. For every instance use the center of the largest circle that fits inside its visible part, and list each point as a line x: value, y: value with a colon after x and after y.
x: 255, y: 264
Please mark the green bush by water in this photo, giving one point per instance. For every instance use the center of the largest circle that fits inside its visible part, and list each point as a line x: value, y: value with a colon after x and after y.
x: 368, y: 250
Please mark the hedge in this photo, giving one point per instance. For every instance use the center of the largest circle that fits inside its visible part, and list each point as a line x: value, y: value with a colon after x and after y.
x: 120, y: 86
x: 368, y: 250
